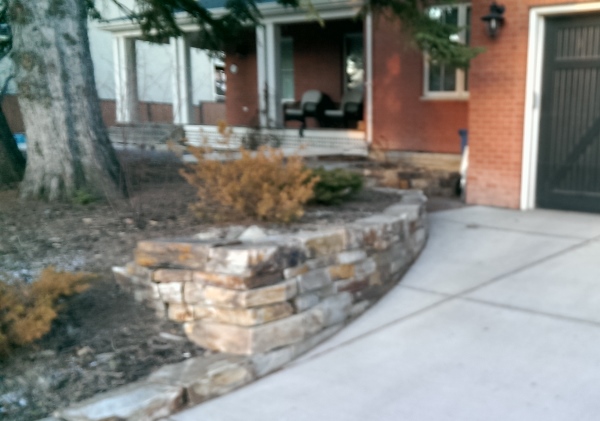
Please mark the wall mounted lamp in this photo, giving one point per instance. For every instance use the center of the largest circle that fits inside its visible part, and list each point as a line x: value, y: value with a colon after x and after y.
x: 494, y: 20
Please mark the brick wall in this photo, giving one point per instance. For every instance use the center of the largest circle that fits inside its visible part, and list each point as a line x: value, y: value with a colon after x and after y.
x: 401, y: 119
x: 318, y: 56
x: 210, y: 113
x: 242, y: 92
x: 496, y: 118
x: 318, y: 53
x: 150, y: 112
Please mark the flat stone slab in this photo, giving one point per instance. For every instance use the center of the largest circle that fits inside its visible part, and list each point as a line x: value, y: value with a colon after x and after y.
x: 205, y: 377
x: 140, y: 401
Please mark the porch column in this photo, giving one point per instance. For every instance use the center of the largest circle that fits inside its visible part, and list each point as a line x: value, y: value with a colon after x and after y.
x: 182, y: 81
x: 273, y: 59
x: 261, y: 70
x: 126, y: 86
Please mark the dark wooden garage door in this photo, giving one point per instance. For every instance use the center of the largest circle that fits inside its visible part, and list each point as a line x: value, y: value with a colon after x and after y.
x: 569, y: 146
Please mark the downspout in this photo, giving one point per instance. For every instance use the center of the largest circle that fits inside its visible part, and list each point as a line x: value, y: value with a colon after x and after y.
x: 369, y: 81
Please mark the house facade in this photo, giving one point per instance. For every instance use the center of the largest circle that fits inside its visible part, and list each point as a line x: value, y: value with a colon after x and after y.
x: 154, y: 80
x: 533, y: 112
x: 530, y: 103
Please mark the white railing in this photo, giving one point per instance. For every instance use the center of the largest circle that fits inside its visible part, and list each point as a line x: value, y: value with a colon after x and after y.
x: 314, y: 141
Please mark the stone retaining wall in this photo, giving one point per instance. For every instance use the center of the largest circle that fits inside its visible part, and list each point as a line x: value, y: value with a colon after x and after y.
x: 251, y: 297
x: 266, y: 300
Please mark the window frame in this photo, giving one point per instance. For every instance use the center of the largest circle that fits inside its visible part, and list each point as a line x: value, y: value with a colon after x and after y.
x: 347, y: 36
x: 289, y: 41
x: 461, y: 91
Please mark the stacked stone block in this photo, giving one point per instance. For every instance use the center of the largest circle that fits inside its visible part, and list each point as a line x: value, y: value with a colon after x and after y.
x: 253, y: 297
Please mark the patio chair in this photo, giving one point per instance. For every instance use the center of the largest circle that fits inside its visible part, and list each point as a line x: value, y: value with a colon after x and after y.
x: 312, y: 105
x: 351, y: 109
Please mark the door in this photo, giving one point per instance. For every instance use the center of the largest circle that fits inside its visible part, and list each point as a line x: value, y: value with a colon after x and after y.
x: 569, y: 144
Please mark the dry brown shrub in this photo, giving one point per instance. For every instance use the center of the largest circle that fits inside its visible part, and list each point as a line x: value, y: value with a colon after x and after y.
x: 261, y: 185
x: 27, y: 310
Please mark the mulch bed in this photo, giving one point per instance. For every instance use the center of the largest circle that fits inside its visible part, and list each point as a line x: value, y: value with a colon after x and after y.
x: 103, y: 339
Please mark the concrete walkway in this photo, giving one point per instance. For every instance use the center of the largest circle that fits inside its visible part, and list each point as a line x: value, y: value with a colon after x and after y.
x: 499, y: 319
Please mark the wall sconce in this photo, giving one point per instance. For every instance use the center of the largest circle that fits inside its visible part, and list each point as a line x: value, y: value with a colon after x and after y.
x: 494, y: 20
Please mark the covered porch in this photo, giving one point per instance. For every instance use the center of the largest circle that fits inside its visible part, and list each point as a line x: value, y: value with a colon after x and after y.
x: 266, y: 74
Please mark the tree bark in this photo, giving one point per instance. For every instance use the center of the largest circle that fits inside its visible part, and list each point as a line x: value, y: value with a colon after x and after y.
x: 68, y: 149
x: 12, y: 162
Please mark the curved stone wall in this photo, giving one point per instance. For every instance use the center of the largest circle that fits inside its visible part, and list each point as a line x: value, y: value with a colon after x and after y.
x: 265, y: 300
x: 251, y: 297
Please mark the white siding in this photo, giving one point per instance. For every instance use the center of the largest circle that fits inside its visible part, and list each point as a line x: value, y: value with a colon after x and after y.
x: 154, y: 66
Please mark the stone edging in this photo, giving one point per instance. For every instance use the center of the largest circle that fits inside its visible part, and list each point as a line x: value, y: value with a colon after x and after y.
x: 259, y: 303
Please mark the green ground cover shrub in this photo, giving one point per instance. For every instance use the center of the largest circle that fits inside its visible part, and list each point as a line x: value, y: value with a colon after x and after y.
x: 335, y: 186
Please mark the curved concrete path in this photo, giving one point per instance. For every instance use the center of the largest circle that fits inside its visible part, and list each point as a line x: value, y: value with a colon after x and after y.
x: 499, y: 319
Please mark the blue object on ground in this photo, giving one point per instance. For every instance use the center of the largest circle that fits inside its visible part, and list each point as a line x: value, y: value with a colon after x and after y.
x: 21, y: 140
x: 464, y: 138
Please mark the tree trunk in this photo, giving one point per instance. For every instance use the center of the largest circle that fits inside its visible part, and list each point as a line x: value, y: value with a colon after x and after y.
x: 68, y: 149
x: 12, y: 162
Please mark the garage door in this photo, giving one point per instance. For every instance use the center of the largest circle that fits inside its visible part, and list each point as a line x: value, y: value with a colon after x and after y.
x: 569, y: 146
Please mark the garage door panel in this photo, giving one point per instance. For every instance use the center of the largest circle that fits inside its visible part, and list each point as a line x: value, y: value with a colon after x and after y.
x: 569, y: 157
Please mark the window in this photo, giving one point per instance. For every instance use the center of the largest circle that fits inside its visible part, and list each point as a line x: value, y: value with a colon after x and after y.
x: 220, y: 78
x: 287, y: 69
x: 354, y: 69
x: 445, y: 81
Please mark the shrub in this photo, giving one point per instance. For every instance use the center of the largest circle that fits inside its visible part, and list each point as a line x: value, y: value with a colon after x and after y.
x: 83, y: 197
x: 27, y: 310
x: 261, y: 185
x: 335, y: 186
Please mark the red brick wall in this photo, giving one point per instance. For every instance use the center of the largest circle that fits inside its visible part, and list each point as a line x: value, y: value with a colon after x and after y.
x: 317, y: 65
x: 401, y: 119
x: 150, y: 112
x: 496, y: 119
x: 156, y: 112
x: 210, y: 113
x: 319, y: 58
x: 242, y: 93
x: 318, y: 55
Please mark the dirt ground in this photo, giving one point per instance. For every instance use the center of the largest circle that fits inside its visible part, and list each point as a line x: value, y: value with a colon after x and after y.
x: 103, y: 339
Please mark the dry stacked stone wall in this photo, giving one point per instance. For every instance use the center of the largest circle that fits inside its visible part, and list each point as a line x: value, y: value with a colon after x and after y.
x: 267, y: 299
x: 254, y: 296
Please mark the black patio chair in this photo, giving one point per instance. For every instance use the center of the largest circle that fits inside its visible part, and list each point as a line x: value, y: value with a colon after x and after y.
x: 312, y: 105
x: 351, y: 109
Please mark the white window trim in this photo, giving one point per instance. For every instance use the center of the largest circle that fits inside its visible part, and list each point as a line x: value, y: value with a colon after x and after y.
x: 293, y: 99
x: 360, y: 35
x: 460, y: 93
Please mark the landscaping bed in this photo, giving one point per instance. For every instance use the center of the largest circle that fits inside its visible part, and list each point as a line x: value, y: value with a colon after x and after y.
x: 104, y: 339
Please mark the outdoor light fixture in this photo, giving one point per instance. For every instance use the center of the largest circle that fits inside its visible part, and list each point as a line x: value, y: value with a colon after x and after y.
x: 494, y: 20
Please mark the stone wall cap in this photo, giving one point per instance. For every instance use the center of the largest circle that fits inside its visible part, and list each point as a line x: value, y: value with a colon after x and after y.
x: 193, y: 241
x: 192, y: 370
x: 136, y: 401
x: 381, y: 219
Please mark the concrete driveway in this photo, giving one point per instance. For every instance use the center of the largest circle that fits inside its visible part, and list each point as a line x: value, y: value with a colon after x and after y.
x: 499, y: 319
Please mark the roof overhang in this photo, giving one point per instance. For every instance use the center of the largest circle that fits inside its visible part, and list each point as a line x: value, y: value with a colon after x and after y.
x: 271, y: 12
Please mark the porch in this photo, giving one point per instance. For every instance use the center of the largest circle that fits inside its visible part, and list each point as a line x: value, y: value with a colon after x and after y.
x: 315, y: 143
x: 266, y: 72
